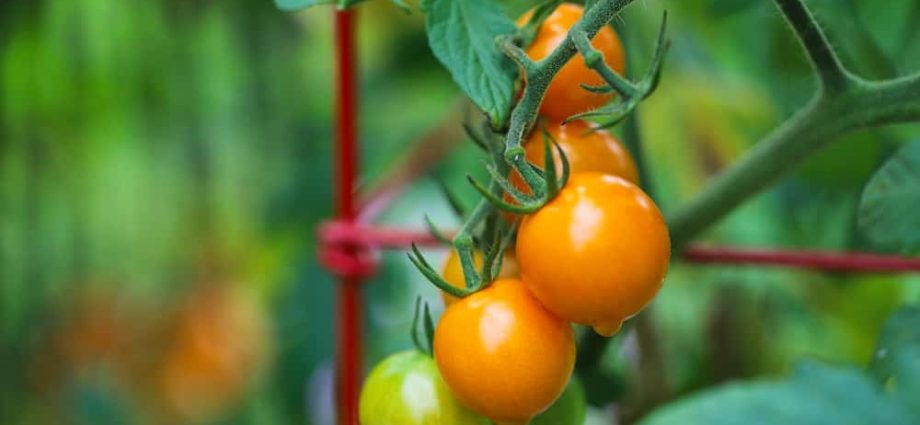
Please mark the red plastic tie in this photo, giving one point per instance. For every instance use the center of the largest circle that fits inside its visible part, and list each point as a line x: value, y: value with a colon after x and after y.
x: 343, y: 254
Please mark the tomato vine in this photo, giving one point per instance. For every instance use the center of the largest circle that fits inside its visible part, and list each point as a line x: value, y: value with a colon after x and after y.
x: 844, y: 102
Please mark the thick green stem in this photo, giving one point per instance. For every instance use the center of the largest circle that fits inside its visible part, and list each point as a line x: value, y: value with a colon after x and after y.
x: 831, y: 73
x: 541, y: 73
x: 824, y: 120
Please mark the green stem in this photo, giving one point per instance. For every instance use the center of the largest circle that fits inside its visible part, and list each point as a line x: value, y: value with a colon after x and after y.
x: 632, y: 137
x: 632, y: 131
x: 540, y: 74
x: 594, y: 59
x: 825, y: 119
x: 463, y: 243
x: 831, y: 73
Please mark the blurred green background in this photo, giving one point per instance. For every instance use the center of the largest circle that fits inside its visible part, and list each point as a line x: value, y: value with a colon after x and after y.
x: 164, y: 164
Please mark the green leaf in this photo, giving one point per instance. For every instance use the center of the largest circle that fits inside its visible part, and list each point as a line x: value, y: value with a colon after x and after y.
x: 816, y: 394
x: 888, y: 213
x: 896, y: 361
x: 292, y: 5
x: 462, y: 36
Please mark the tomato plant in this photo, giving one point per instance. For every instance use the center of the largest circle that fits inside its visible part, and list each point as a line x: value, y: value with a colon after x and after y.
x: 502, y: 354
x: 406, y: 389
x: 149, y: 147
x: 592, y: 247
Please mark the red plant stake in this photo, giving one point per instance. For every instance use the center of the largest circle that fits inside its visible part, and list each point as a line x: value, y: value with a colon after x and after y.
x: 349, y: 297
x: 851, y: 262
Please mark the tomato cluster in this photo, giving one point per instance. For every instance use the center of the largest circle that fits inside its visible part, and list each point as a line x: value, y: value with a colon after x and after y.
x: 595, y: 254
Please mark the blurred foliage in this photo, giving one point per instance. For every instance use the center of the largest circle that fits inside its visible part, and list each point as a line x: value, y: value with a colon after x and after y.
x: 820, y: 393
x: 887, y: 214
x: 158, y: 156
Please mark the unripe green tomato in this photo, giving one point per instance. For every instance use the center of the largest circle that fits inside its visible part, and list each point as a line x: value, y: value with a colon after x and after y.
x: 568, y: 409
x: 406, y: 389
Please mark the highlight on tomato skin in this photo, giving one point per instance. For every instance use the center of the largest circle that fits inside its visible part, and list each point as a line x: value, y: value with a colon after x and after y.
x: 571, y: 262
x: 565, y: 96
x: 481, y: 337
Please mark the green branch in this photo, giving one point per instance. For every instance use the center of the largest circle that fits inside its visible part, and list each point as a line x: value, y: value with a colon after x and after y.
x: 845, y: 103
x: 831, y: 73
x: 829, y: 116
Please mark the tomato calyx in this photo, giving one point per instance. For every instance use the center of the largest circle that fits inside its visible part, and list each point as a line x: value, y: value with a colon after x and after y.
x: 631, y: 94
x: 423, y: 345
x: 544, y: 184
x: 495, y: 237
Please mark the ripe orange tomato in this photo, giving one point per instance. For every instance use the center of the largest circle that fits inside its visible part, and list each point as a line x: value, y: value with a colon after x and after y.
x: 502, y: 354
x: 452, y: 271
x: 597, y: 253
x: 565, y: 97
x: 585, y: 150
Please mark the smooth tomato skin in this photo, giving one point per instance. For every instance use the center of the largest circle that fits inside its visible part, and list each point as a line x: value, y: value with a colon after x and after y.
x: 502, y: 354
x: 406, y: 389
x: 597, y: 253
x: 584, y: 149
x: 569, y: 409
x: 565, y: 97
x: 452, y: 271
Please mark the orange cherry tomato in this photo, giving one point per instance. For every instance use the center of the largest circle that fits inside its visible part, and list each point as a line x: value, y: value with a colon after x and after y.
x: 585, y: 150
x: 597, y: 253
x: 565, y: 96
x: 502, y: 354
x: 452, y: 271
